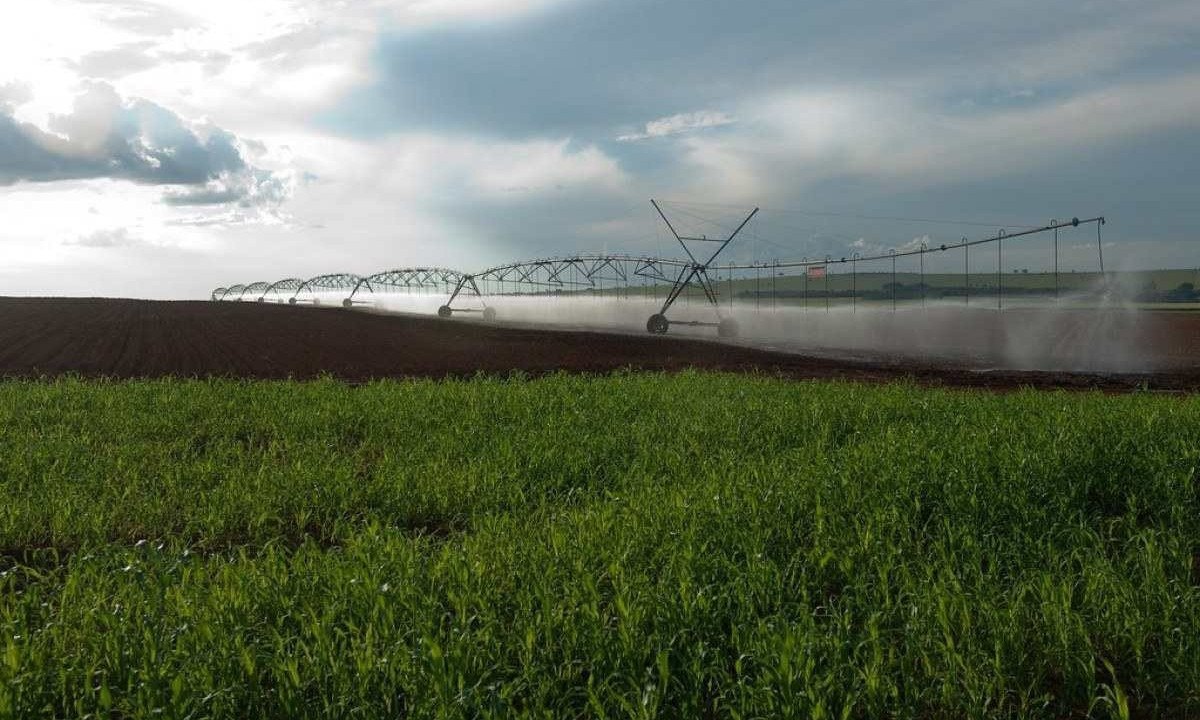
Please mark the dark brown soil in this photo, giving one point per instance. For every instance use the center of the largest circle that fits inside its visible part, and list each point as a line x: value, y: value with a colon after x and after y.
x: 135, y: 338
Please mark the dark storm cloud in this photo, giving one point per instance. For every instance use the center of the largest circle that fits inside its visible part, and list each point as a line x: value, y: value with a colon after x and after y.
x: 583, y: 69
x: 591, y: 69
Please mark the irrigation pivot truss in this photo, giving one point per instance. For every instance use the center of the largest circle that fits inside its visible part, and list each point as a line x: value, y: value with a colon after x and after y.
x: 556, y: 275
x: 425, y: 279
x: 324, y: 283
x: 277, y: 290
x: 625, y: 275
x: 254, y: 290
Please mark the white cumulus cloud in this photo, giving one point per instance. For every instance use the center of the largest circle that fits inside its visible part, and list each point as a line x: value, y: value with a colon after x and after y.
x: 681, y: 123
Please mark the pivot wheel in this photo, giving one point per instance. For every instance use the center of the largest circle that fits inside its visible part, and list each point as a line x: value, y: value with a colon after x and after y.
x: 727, y: 328
x: 347, y: 303
x: 489, y: 314
x: 445, y: 311
x: 657, y: 324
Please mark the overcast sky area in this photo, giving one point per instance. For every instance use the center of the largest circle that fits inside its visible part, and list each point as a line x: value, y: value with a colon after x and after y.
x: 160, y: 148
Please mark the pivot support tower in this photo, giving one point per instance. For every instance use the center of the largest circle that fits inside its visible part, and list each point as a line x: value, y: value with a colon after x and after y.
x: 696, y: 273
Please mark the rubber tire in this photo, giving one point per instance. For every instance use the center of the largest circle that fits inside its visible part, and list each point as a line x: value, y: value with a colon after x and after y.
x: 445, y: 311
x: 489, y: 314
x: 347, y: 303
x: 727, y: 328
x: 658, y: 324
x: 291, y: 301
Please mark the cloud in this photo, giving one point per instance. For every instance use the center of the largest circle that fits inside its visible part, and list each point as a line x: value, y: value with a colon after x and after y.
x: 538, y: 167
x: 816, y: 136
x: 13, y: 94
x: 621, y: 62
x: 940, y: 147
x: 433, y: 167
x: 247, y: 188
x: 613, y: 65
x: 108, y: 137
x: 117, y: 61
x: 146, y: 17
x: 681, y: 123
x: 109, y: 238
x: 445, y: 198
x: 424, y: 12
x: 134, y: 57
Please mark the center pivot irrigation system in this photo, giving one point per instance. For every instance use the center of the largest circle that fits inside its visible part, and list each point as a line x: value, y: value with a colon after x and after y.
x: 619, y: 275
x: 560, y: 272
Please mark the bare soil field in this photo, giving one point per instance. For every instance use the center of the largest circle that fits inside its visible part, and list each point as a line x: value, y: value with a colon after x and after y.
x: 46, y: 337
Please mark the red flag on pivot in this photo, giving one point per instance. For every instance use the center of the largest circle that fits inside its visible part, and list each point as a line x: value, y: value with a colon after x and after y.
x: 816, y: 271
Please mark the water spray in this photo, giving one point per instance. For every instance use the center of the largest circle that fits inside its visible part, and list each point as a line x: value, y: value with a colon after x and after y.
x: 607, y: 276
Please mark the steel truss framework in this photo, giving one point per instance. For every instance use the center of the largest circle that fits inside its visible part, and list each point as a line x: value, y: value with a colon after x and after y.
x: 549, y: 276
x: 258, y: 291
x: 324, y: 283
x: 589, y: 272
x: 280, y: 288
x: 416, y: 279
x: 254, y: 290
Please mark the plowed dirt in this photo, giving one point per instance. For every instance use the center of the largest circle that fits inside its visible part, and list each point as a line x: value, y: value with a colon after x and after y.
x: 133, y: 338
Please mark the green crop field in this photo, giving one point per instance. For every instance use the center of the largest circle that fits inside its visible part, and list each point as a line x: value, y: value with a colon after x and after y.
x: 629, y: 546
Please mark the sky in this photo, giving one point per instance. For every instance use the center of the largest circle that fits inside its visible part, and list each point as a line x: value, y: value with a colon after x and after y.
x: 161, y: 148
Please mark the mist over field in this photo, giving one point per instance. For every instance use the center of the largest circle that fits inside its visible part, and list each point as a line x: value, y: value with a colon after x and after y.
x: 1032, y: 336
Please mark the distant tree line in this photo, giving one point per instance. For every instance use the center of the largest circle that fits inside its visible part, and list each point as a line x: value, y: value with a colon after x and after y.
x: 902, y: 291
x: 1184, y: 292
